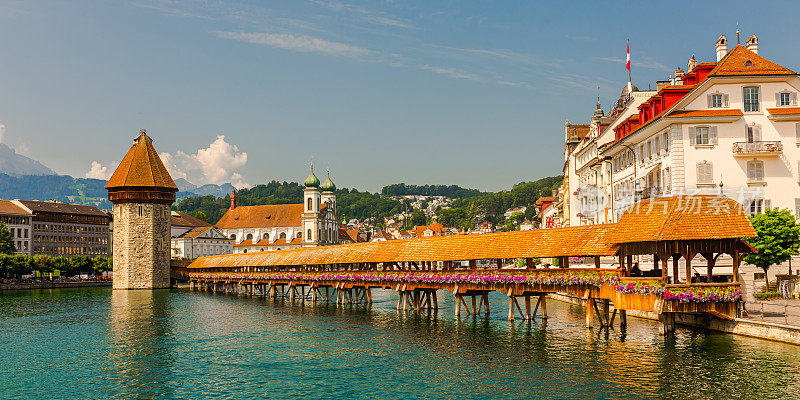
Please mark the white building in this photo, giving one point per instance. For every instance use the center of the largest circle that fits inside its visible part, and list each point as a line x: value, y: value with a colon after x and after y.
x: 18, y: 220
x: 285, y: 226
x: 730, y: 126
x: 191, y: 238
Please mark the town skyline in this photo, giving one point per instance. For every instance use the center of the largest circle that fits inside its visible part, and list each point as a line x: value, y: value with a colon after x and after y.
x: 233, y: 72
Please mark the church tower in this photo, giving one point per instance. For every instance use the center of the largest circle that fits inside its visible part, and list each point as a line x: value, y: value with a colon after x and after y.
x: 311, y: 206
x: 142, y: 192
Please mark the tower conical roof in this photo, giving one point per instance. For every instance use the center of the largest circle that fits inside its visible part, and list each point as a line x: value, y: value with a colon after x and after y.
x: 328, y: 185
x: 312, y: 181
x: 141, y: 168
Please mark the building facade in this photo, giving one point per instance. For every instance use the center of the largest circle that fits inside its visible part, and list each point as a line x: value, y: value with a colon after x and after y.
x: 60, y: 229
x: 142, y: 191
x: 285, y: 226
x: 193, y: 238
x: 730, y: 126
x: 18, y: 220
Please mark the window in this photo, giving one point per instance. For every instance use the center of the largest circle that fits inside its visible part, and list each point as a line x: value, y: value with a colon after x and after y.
x: 308, y: 237
x: 665, y: 140
x: 299, y: 234
x: 751, y: 99
x: 753, y: 133
x: 705, y: 173
x: 757, y: 206
x: 755, y: 171
x: 310, y: 204
x: 783, y: 99
x: 758, y: 276
x: 233, y: 237
x: 266, y: 236
x: 701, y: 135
x: 249, y: 236
x: 716, y: 100
x: 283, y: 235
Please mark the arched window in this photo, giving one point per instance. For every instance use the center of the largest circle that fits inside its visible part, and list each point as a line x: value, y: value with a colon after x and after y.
x: 245, y: 250
x: 249, y: 236
x: 309, y: 235
x: 310, y: 203
x: 299, y: 234
x: 283, y: 235
x: 266, y: 236
x: 233, y: 237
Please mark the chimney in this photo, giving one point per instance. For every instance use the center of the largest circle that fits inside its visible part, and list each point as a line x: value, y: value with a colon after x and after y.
x: 722, y: 47
x: 752, y: 44
x: 692, y: 64
x: 233, y: 199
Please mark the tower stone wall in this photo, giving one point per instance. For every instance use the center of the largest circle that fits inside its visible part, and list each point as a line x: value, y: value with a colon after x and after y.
x: 141, y: 246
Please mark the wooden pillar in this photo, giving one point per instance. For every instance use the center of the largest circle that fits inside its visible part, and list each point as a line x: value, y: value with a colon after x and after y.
x: 543, y: 301
x: 529, y: 263
x: 664, y: 268
x: 499, y: 263
x: 710, y: 264
x: 735, y: 256
x: 622, y: 267
x: 689, y: 256
x: 510, y: 306
x: 604, y: 313
x: 458, y: 305
x: 472, y: 264
x: 655, y: 261
x: 629, y: 263
x: 527, y: 306
x: 485, y: 297
x: 564, y: 262
x: 623, y: 318
x: 597, y: 262
x: 589, y: 312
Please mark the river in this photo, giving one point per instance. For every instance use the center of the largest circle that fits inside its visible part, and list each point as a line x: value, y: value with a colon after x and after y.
x: 95, y: 343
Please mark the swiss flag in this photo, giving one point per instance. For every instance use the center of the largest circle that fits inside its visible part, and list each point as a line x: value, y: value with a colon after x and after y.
x: 628, y: 59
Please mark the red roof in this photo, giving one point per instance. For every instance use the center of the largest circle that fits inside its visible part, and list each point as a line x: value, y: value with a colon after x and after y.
x: 261, y: 216
x: 784, y: 110
x: 141, y: 167
x: 705, y: 113
x: 741, y: 61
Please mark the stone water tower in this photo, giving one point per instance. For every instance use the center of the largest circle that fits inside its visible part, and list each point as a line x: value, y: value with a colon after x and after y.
x: 142, y: 192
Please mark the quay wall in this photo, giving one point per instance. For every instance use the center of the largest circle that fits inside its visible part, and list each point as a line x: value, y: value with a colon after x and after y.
x: 52, y: 285
x: 739, y: 326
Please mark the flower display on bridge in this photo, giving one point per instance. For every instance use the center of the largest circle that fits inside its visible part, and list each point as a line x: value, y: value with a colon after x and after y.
x: 545, y: 277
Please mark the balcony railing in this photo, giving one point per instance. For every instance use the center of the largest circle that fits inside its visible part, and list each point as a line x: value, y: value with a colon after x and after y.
x: 764, y: 147
x: 654, y: 191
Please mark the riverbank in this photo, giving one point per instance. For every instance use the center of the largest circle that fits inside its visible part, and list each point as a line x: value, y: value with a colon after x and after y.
x: 52, y: 285
x: 740, y: 326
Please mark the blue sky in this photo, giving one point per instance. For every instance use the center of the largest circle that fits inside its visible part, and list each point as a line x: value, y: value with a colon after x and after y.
x: 470, y: 93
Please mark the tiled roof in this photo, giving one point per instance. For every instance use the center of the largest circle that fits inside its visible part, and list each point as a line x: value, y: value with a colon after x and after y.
x: 436, y: 227
x: 62, y: 208
x: 541, y: 200
x: 196, y: 232
x: 141, y: 167
x: 7, y: 207
x: 183, y: 219
x: 583, y: 240
x: 734, y: 64
x: 579, y: 130
x: 353, y: 234
x: 344, y: 237
x: 683, y: 218
x: 784, y: 110
x: 705, y: 113
x: 384, y: 235
x: 246, y: 242
x: 262, y: 216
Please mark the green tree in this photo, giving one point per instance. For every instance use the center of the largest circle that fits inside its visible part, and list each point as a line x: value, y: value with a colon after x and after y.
x: 418, y: 218
x: 778, y: 239
x: 80, y: 264
x: 201, y: 216
x: 6, y: 241
x: 101, y: 265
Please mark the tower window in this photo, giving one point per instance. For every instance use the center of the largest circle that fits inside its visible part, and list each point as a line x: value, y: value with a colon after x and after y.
x: 309, y: 235
x: 310, y: 203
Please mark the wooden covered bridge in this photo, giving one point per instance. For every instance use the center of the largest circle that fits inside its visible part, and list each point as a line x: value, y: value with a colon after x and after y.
x: 662, y: 228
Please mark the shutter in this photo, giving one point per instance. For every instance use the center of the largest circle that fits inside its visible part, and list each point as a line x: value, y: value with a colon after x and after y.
x: 797, y: 207
x: 712, y: 135
x: 709, y: 173
x: 767, y: 205
x: 750, y: 171
x: 692, y: 135
x: 778, y: 99
x: 793, y: 98
x: 797, y: 132
x: 756, y: 133
x: 709, y: 99
x: 724, y: 100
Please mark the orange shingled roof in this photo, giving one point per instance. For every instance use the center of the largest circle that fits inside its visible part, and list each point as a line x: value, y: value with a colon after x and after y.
x: 183, y: 219
x: 784, y: 110
x: 705, y: 113
x: 734, y: 64
x: 582, y: 240
x: 195, y: 232
x: 141, y: 167
x: 683, y: 218
x: 7, y: 207
x: 261, y: 216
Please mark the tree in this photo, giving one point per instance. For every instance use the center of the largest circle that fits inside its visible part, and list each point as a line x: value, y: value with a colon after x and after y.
x: 79, y: 264
x: 101, y: 265
x: 778, y: 239
x: 418, y: 218
x: 6, y: 241
x: 201, y: 216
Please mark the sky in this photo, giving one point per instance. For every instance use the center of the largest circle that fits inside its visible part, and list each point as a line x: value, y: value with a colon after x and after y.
x: 473, y: 93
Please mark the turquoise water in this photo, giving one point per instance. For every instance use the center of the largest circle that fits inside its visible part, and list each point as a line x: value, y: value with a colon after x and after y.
x: 98, y: 344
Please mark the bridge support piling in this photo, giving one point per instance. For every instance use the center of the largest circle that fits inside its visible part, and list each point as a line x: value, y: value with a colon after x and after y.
x: 667, y: 323
x: 485, y: 299
x: 528, y: 307
x: 590, y: 305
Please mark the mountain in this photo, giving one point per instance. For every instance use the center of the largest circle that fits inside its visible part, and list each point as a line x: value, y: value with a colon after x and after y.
x: 188, y: 189
x: 184, y: 185
x: 15, y: 164
x: 62, y: 188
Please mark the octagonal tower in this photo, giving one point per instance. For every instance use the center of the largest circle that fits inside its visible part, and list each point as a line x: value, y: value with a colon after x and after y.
x: 142, y: 191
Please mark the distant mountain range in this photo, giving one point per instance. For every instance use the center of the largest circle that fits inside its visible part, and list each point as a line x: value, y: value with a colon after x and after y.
x: 14, y: 164
x: 187, y: 189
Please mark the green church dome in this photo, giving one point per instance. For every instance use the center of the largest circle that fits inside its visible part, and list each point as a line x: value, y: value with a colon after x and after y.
x: 312, y: 180
x: 328, y: 185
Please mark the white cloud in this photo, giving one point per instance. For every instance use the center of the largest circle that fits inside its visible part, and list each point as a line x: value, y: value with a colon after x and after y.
x: 100, y: 171
x: 306, y: 44
x: 452, y: 72
x: 217, y: 164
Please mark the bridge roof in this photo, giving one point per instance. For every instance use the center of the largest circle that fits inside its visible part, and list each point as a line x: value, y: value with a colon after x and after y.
x: 558, y: 242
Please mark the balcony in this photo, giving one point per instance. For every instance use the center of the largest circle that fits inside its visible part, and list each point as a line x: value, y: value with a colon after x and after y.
x: 760, y: 148
x: 654, y: 191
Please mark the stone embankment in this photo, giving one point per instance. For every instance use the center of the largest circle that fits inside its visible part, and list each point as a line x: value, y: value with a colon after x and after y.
x: 52, y: 285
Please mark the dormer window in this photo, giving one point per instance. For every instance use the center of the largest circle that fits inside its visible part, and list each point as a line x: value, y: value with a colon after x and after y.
x: 784, y: 99
x: 717, y: 100
x: 748, y: 63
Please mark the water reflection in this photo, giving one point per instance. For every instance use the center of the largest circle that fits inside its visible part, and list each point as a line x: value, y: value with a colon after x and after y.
x: 140, y: 336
